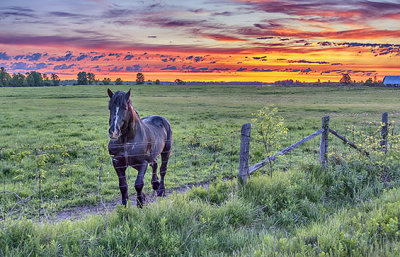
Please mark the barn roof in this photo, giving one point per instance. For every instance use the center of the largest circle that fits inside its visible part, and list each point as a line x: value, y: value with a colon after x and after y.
x: 391, y: 80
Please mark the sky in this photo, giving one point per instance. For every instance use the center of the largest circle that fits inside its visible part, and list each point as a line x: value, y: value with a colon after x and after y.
x: 202, y: 40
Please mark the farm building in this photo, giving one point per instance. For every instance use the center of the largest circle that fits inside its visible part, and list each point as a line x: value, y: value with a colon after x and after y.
x: 391, y: 80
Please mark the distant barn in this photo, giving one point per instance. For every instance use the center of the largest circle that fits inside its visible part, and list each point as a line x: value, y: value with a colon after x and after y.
x: 391, y: 81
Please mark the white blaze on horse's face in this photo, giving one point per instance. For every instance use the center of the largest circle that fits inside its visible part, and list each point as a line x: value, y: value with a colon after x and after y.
x: 116, y: 119
x: 116, y: 122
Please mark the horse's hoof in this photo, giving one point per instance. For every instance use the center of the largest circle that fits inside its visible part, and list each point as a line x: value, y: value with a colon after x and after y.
x: 139, y: 203
x: 155, y: 185
x: 140, y: 200
x: 161, y: 192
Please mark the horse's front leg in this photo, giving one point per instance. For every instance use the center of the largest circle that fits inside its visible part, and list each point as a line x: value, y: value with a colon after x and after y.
x: 120, y: 166
x: 139, y: 183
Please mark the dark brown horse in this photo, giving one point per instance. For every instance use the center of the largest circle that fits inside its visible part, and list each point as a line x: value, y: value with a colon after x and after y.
x: 137, y: 142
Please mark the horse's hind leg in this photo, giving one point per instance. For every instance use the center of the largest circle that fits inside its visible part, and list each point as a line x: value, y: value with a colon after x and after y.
x: 154, y: 179
x: 163, y: 171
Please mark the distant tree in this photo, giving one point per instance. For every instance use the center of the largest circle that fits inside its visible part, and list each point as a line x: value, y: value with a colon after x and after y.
x: 46, y: 80
x: 18, y: 80
x: 368, y: 82
x: 5, y: 78
x: 29, y: 80
x: 91, y: 78
x: 55, y: 79
x: 345, y: 79
x: 34, y: 78
x: 158, y: 82
x: 82, y: 78
x: 106, y: 81
x: 284, y: 82
x: 179, y: 82
x: 139, y: 78
x: 118, y: 81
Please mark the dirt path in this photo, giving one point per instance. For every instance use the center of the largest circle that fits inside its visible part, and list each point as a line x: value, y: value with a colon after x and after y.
x: 80, y: 212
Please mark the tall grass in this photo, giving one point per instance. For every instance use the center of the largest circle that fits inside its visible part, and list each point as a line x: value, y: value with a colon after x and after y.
x: 304, y: 212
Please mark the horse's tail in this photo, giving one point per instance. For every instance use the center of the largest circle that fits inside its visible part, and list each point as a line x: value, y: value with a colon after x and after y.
x: 168, y: 141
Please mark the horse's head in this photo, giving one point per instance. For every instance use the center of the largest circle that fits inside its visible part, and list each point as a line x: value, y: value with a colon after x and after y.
x: 118, y: 105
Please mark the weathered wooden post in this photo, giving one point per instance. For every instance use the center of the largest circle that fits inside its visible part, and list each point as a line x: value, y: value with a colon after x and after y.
x: 384, y: 132
x: 244, y: 153
x: 323, y: 148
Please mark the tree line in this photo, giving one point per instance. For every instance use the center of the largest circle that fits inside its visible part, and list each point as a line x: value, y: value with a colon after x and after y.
x: 29, y: 79
x: 88, y: 78
x: 34, y: 79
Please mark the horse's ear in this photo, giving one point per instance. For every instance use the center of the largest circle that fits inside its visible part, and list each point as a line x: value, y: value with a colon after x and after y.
x: 110, y: 93
x: 128, y: 94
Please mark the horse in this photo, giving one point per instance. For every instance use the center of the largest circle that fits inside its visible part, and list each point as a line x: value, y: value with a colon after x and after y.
x: 137, y: 143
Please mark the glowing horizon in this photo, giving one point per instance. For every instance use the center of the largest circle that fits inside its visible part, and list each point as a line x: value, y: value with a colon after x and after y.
x: 198, y: 40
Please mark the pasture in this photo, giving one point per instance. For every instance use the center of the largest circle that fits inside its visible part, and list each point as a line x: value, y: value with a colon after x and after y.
x: 56, y: 137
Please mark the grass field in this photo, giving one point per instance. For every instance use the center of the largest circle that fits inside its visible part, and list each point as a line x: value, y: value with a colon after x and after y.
x: 288, y: 213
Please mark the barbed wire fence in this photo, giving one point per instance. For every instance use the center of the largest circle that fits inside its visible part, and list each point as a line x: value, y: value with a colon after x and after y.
x: 40, y: 183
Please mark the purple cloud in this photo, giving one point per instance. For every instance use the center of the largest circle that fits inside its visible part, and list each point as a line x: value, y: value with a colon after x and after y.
x: 305, y: 61
x: 116, y: 69
x: 98, y: 57
x: 264, y: 70
x: 198, y: 58
x: 82, y: 57
x: 169, y: 67
x: 33, y: 57
x: 19, y: 66
x: 128, y: 57
x: 63, y: 67
x: 67, y: 57
x: 4, y: 56
x: 134, y: 68
x: 259, y: 57
x: 117, y: 55
x: 97, y: 67
x: 26, y: 66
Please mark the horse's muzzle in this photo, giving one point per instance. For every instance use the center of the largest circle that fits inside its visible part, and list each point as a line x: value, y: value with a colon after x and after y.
x: 114, y: 135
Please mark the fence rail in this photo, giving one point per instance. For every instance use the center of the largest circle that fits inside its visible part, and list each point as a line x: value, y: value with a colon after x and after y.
x: 284, y: 151
x: 245, y: 170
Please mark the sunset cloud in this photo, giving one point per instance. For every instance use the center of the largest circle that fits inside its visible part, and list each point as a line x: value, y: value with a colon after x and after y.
x: 313, y: 39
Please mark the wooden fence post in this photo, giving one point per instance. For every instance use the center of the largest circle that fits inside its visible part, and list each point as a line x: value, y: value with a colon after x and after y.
x: 323, y: 149
x: 244, y: 153
x: 384, y: 132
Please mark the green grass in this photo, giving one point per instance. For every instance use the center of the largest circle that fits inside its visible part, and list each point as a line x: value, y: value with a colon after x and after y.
x: 66, y: 115
x: 297, y: 213
x: 350, y: 209
x: 66, y: 121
